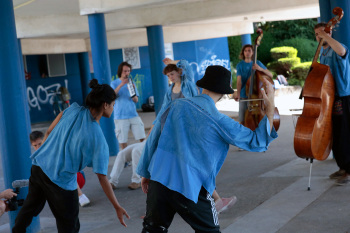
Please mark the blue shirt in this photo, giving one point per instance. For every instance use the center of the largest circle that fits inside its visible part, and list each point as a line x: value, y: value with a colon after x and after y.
x: 124, y: 107
x: 244, y: 70
x: 189, y: 144
x: 188, y: 87
x: 76, y: 141
x: 339, y: 68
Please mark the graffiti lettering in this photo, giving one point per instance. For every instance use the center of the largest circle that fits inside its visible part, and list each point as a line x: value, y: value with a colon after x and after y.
x: 43, y: 95
x: 214, y: 61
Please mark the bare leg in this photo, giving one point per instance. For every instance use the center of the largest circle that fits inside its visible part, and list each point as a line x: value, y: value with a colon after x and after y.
x: 216, y: 196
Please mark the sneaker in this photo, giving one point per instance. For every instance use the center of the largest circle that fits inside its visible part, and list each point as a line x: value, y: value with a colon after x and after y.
x: 134, y: 186
x: 337, y: 174
x: 343, y: 180
x: 225, y: 203
x: 83, y: 200
x: 113, y: 186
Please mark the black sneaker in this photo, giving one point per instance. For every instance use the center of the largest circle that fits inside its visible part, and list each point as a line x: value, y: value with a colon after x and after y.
x: 337, y: 174
x: 343, y: 180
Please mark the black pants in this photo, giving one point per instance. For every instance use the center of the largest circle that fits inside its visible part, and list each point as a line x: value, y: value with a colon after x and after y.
x: 163, y: 203
x: 341, y: 132
x: 64, y: 204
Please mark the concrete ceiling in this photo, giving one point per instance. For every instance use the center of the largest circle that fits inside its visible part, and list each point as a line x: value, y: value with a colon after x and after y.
x: 41, y: 24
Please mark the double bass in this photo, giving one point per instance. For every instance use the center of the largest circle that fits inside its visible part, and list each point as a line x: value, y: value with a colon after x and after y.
x: 313, y: 131
x: 256, y: 109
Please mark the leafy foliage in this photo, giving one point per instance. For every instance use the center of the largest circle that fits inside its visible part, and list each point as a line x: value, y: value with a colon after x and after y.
x: 283, y: 52
x: 283, y: 65
x: 235, y: 46
x: 306, y: 47
x: 301, y: 71
x: 283, y: 30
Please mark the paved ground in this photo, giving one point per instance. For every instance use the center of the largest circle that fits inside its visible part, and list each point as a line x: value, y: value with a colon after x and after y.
x: 271, y: 188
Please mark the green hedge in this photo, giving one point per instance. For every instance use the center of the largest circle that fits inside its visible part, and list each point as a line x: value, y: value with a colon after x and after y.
x: 306, y: 48
x: 283, y: 65
x: 301, y: 70
x: 283, y: 52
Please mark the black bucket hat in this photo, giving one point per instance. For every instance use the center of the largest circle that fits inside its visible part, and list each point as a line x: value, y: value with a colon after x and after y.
x: 216, y: 79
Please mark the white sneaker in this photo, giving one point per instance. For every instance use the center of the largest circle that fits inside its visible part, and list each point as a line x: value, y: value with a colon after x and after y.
x: 83, y: 200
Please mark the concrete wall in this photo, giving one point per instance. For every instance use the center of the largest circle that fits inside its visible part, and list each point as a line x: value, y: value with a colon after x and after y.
x: 39, y: 89
x: 199, y: 54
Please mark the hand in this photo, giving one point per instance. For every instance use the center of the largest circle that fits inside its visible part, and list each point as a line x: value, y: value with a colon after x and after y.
x: 257, y: 67
x: 124, y: 81
x: 237, y: 97
x: 120, y: 213
x: 167, y: 61
x: 322, y: 34
x: 268, y: 93
x: 144, y: 184
x: 8, y: 194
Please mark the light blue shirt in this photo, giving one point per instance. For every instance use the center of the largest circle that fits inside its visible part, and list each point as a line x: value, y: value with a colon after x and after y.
x: 124, y: 107
x: 189, y: 144
x: 244, y: 70
x: 188, y: 87
x: 339, y: 68
x: 76, y: 141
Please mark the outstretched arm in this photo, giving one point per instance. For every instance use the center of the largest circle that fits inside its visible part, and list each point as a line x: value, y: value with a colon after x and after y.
x: 107, y: 188
x: 52, y: 126
x: 269, y: 98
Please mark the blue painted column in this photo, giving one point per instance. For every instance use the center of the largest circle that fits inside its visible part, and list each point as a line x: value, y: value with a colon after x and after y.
x: 24, y: 86
x: 85, y: 76
x: 102, y: 71
x: 325, y: 10
x: 342, y: 33
x: 157, y: 54
x: 246, y: 39
x: 14, y: 125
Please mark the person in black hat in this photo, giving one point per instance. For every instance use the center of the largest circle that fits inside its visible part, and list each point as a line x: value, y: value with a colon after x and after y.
x: 186, y: 150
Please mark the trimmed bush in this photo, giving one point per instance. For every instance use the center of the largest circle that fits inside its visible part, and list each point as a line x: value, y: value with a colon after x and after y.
x: 301, y: 70
x: 306, y: 48
x: 283, y: 52
x: 283, y: 65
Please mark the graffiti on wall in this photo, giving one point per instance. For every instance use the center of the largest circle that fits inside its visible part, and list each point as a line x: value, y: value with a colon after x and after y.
x: 43, y: 95
x: 213, y: 61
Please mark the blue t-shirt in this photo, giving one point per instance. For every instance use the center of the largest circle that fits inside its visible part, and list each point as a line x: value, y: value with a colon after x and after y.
x: 244, y: 70
x: 76, y: 141
x: 339, y: 68
x: 189, y: 144
x: 124, y: 107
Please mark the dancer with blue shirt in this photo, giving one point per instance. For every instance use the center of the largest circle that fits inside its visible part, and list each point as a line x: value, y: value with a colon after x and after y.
x: 125, y: 114
x: 244, y: 70
x: 336, y: 56
x: 186, y: 150
x: 73, y: 141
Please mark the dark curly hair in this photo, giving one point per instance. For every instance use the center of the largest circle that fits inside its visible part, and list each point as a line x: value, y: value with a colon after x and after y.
x: 100, y: 93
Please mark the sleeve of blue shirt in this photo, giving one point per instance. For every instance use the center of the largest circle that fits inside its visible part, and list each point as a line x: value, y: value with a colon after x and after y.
x: 187, y: 72
x: 99, y: 153
x: 239, y: 72
x: 148, y: 151
x: 261, y: 65
x: 242, y: 137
